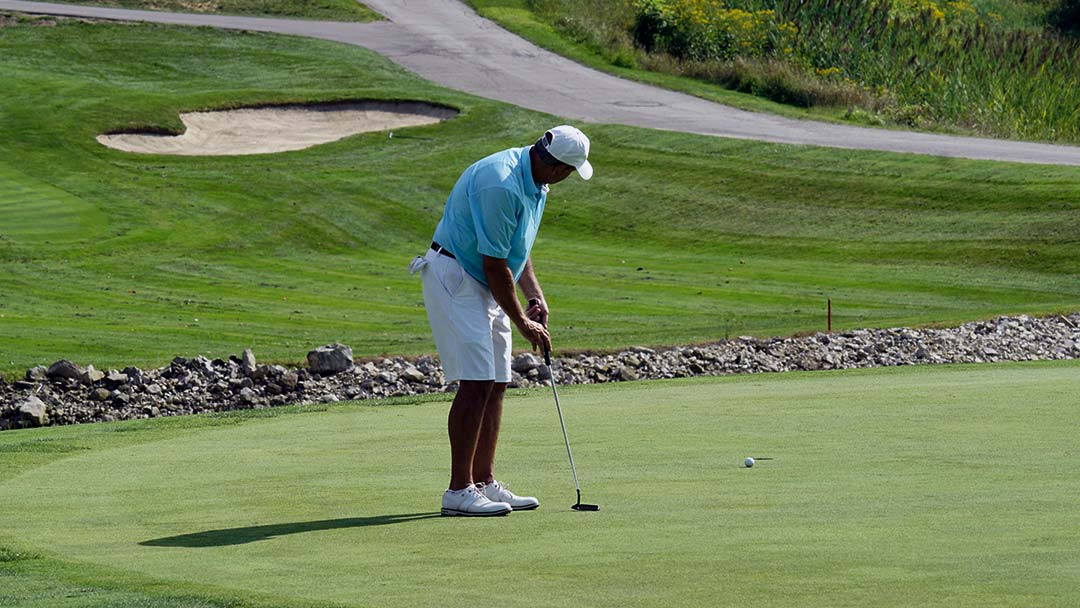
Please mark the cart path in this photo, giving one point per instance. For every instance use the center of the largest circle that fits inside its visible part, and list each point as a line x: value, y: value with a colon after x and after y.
x: 446, y: 42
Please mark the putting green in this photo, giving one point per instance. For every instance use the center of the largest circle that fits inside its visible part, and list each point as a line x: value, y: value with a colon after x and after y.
x: 915, y: 486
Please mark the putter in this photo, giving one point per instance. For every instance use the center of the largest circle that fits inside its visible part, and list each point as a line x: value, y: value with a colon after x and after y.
x: 578, y: 506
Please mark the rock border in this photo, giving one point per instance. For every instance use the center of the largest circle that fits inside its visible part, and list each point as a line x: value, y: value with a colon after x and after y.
x: 66, y: 393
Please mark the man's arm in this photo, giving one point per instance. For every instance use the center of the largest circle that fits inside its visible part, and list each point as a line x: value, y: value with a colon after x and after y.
x: 501, y: 282
x: 530, y: 286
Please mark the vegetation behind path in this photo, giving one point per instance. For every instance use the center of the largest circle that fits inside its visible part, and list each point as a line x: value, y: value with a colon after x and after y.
x: 986, y: 68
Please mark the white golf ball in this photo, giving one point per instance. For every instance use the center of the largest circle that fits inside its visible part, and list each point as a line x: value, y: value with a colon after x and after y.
x: 749, y: 462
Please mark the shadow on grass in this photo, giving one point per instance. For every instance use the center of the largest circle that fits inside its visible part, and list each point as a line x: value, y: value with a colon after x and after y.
x: 240, y: 536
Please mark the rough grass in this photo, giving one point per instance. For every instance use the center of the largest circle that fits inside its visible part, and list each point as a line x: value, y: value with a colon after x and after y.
x: 942, y: 486
x: 114, y: 259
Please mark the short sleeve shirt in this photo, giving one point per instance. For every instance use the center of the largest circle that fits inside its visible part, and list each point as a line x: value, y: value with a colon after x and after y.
x: 494, y: 210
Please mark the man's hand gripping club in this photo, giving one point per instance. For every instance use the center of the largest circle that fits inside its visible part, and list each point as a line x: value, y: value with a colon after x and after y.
x: 501, y: 282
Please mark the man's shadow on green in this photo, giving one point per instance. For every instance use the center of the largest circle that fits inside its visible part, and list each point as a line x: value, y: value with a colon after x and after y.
x: 240, y: 536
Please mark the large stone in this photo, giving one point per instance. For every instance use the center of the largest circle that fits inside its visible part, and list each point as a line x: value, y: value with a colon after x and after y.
x: 65, y: 369
x: 413, y: 375
x: 289, y: 380
x: 135, y: 375
x: 202, y: 365
x: 37, y: 374
x: 524, y: 362
x: 115, y: 379
x: 32, y: 412
x: 247, y: 363
x: 91, y: 375
x: 543, y: 372
x: 330, y: 359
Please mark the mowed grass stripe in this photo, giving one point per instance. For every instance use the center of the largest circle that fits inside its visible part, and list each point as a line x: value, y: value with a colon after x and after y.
x: 30, y: 209
x: 944, y: 486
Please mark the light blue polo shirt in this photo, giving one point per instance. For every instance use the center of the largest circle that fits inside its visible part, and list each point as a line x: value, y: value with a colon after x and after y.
x: 493, y: 210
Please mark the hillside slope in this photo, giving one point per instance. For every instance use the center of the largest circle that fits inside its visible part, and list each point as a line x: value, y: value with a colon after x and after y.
x: 114, y: 258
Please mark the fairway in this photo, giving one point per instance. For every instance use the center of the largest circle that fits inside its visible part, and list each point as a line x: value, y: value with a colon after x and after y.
x: 905, y: 486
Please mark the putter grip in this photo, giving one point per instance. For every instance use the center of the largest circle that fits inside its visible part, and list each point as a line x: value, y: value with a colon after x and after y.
x: 547, y: 357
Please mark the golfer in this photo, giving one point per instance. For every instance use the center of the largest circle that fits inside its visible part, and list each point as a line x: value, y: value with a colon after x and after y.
x: 479, y: 252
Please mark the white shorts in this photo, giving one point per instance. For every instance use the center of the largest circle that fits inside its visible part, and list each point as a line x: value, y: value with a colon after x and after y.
x: 471, y: 330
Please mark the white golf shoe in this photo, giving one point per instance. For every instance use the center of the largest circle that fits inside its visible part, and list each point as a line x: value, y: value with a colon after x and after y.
x: 470, y: 502
x: 498, y: 492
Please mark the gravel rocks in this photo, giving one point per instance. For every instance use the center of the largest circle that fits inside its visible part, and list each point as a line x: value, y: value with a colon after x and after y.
x: 66, y: 393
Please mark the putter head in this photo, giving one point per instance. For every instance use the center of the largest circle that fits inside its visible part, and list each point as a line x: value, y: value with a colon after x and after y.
x: 584, y: 507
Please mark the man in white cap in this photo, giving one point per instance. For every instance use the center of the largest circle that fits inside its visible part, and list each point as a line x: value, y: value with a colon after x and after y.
x: 480, y: 250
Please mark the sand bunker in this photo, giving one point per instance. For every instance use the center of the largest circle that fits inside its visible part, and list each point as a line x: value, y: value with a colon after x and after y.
x: 278, y: 128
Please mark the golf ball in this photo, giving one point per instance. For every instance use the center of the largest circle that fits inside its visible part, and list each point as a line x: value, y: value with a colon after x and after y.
x: 749, y: 462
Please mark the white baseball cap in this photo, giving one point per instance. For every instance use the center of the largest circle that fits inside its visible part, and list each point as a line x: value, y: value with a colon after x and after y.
x: 569, y: 145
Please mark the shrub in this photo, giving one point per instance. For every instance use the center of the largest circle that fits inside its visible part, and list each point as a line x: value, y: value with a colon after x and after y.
x: 1066, y: 16
x: 701, y: 30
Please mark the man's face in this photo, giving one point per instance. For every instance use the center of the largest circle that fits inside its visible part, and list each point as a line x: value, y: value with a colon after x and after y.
x: 544, y: 173
x: 558, y: 174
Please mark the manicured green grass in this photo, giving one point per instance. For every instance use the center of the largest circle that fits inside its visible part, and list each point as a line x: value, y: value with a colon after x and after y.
x: 896, y: 487
x: 323, y: 10
x: 118, y: 259
x: 36, y: 211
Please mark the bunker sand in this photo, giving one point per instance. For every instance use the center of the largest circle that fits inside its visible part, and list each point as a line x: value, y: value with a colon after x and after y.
x: 265, y: 130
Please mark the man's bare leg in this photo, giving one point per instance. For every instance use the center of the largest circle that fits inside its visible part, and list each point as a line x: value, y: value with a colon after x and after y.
x: 463, y: 424
x: 483, y: 464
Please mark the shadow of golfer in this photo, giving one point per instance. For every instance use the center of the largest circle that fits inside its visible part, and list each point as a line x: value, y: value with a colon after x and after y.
x: 240, y: 536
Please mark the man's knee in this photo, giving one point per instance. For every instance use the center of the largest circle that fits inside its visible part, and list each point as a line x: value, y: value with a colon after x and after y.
x: 475, y: 390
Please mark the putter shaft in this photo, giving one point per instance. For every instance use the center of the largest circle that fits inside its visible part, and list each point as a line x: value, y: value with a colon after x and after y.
x: 562, y: 423
x: 578, y: 506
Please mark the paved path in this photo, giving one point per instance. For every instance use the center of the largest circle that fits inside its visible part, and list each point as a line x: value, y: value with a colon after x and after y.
x: 446, y: 42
